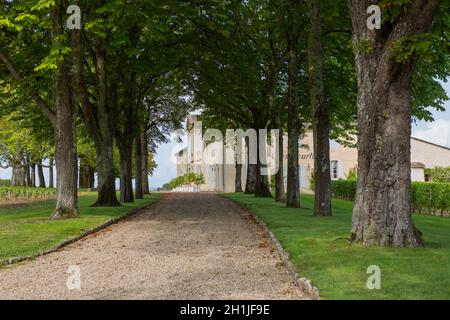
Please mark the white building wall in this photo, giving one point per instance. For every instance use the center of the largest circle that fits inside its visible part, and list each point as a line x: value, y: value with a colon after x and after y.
x: 222, y: 177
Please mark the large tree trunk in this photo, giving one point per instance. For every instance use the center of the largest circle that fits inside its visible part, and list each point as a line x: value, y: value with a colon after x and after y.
x: 50, y: 173
x: 382, y: 211
x: 144, y: 144
x: 66, y: 159
x: 65, y: 130
x: 41, y: 175
x: 320, y: 114
x: 138, y: 167
x: 293, y: 185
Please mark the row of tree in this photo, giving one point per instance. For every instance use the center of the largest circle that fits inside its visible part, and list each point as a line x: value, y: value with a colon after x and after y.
x: 318, y: 65
x: 111, y: 83
x: 22, y: 154
x: 26, y: 152
x: 131, y: 72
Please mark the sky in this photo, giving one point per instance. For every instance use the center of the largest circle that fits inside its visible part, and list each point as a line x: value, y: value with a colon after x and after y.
x: 437, y: 132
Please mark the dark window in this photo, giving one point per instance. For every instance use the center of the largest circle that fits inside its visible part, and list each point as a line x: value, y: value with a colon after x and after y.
x: 334, y: 169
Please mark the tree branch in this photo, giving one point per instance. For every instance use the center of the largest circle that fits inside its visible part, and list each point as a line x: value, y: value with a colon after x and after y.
x: 51, y: 115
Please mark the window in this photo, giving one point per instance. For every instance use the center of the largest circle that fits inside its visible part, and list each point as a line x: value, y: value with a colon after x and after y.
x: 334, y: 169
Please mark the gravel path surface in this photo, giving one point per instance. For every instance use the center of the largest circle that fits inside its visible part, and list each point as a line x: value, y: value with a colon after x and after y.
x: 187, y: 246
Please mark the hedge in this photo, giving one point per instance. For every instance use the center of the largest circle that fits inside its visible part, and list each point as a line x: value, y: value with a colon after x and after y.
x: 431, y: 197
x: 187, y: 179
x: 344, y: 189
x: 426, y: 197
x: 5, y: 183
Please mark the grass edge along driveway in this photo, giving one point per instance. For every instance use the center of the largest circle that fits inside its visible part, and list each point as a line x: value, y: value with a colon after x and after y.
x: 27, y: 230
x: 319, y: 249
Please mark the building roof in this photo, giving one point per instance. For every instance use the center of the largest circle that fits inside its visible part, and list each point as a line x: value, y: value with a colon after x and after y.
x: 433, y: 144
x: 417, y: 165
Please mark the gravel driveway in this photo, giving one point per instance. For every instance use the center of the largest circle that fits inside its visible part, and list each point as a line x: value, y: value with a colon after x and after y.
x: 187, y: 246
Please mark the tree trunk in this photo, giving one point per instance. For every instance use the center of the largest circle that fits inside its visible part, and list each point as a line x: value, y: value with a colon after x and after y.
x: 280, y: 195
x: 144, y: 144
x: 262, y: 188
x: 98, y: 118
x: 27, y: 174
x: 126, y: 172
x: 18, y: 175
x: 41, y: 175
x: 86, y: 175
x: 279, y: 175
x: 104, y: 136
x: 91, y: 180
x: 250, y: 181
x: 276, y: 121
x: 66, y: 157
x: 138, y: 167
x: 106, y: 176
x: 320, y: 114
x: 382, y: 210
x: 65, y: 129
x: 125, y: 135
x: 293, y: 185
x: 33, y: 175
x: 82, y: 176
x: 50, y: 173
x: 238, y: 178
x: 124, y: 139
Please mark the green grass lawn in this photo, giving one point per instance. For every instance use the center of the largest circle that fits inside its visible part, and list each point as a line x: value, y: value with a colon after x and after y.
x: 27, y: 230
x: 321, y: 253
